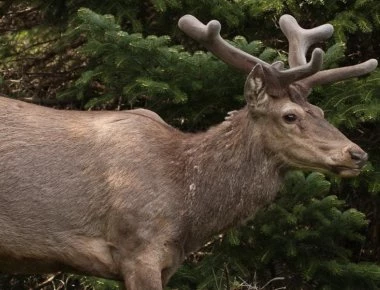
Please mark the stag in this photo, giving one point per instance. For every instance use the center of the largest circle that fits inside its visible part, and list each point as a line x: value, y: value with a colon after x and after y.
x: 123, y: 195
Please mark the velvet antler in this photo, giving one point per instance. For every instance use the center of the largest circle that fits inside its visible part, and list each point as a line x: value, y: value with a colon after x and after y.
x: 209, y: 36
x: 301, y: 72
x: 299, y: 42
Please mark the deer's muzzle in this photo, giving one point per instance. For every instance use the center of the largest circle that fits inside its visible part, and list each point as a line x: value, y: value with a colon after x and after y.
x: 354, y: 158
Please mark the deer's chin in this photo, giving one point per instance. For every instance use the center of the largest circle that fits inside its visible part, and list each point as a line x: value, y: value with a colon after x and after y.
x: 342, y: 171
x: 301, y: 165
x: 346, y: 171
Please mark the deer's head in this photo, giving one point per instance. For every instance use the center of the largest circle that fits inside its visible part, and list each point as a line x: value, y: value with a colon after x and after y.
x: 292, y: 128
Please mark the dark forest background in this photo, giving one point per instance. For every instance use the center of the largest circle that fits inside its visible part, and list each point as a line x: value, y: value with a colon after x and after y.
x: 322, y: 232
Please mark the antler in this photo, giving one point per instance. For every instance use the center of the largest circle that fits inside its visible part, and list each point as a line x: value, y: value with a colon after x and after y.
x: 306, y: 74
x: 210, y: 37
x: 300, y: 39
x: 299, y: 42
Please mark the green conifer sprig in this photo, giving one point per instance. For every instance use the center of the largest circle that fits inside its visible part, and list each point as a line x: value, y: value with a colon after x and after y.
x: 169, y: 77
x: 304, y: 233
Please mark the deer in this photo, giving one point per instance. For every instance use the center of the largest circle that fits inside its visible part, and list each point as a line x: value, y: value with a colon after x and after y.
x: 123, y: 195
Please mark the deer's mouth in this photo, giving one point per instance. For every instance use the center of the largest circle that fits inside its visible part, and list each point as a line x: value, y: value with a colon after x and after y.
x: 340, y: 170
x: 345, y: 171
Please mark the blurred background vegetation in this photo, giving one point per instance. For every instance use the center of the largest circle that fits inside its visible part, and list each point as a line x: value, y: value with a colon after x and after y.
x: 322, y: 232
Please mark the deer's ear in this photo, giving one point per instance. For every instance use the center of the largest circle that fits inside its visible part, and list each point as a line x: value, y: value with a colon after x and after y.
x: 255, y: 88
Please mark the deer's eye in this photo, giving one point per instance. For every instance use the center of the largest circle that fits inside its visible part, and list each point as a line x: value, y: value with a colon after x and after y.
x: 290, y: 118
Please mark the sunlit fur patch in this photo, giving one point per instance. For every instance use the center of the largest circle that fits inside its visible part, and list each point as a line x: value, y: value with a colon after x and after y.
x: 257, y: 84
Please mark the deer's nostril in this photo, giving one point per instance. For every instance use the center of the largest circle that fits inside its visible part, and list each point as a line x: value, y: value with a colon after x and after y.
x: 359, y: 156
x: 355, y: 155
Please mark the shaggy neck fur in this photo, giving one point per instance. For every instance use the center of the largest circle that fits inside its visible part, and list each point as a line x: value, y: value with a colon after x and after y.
x: 229, y: 176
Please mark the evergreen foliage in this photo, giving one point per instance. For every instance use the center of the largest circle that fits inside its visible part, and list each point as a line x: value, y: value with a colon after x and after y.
x: 126, y: 54
x: 185, y: 88
x: 302, y: 240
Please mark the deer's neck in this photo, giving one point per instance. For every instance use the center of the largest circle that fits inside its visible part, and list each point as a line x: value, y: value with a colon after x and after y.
x: 228, y: 176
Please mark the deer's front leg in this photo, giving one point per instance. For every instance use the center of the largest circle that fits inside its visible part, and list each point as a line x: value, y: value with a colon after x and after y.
x: 153, y: 268
x: 142, y: 275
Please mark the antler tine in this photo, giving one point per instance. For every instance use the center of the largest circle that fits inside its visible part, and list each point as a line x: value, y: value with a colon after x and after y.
x: 209, y: 36
x: 299, y: 42
x: 339, y: 74
x: 301, y: 39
